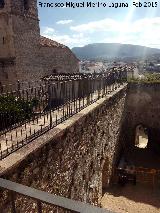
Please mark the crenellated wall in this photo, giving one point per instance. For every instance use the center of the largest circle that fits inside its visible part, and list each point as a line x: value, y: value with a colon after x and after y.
x: 70, y: 159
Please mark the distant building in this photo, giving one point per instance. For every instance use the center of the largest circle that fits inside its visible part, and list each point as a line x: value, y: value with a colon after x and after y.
x: 153, y: 67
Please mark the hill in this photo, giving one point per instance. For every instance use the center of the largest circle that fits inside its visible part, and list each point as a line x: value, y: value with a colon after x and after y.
x: 113, y: 50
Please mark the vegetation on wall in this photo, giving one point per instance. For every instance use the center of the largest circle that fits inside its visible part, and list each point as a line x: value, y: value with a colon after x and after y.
x: 147, y: 78
x: 14, y: 110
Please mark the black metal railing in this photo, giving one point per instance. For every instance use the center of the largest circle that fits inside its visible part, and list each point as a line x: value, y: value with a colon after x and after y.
x: 58, y: 203
x: 27, y: 110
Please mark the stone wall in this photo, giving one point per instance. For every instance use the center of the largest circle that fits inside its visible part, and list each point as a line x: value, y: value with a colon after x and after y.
x: 70, y: 159
x: 7, y: 74
x: 57, y: 59
x: 142, y: 108
x: 7, y: 50
x: 6, y: 37
x: 26, y: 43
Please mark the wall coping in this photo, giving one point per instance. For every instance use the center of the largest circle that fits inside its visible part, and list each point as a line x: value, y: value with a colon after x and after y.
x: 143, y: 84
x: 13, y: 160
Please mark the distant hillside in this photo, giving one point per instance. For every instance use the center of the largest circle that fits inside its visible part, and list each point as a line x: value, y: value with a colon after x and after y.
x: 113, y: 50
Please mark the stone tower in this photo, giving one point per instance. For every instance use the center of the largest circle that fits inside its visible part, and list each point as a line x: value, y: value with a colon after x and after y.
x: 7, y: 50
x: 19, y: 38
x: 24, y: 54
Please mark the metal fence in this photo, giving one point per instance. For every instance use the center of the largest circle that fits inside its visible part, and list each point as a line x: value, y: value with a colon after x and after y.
x: 57, y: 203
x: 27, y: 110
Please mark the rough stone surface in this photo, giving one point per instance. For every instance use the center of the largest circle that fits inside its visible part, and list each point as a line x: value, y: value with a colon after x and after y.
x: 142, y: 108
x: 70, y: 159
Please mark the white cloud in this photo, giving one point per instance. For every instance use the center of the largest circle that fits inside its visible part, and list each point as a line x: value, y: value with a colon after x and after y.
x: 144, y: 31
x: 77, y: 39
x: 67, y: 21
x: 120, y: 26
x: 101, y: 25
x: 48, y: 30
x: 150, y: 39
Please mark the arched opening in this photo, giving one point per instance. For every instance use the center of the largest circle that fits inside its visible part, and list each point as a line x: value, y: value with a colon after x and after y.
x: 141, y: 137
x: 154, y: 140
x: 2, y: 3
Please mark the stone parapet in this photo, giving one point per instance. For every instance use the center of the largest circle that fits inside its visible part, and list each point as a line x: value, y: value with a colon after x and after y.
x: 69, y: 159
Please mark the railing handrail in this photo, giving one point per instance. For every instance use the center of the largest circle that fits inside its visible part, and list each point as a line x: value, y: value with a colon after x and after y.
x: 28, y: 113
x: 45, y: 197
x: 25, y: 85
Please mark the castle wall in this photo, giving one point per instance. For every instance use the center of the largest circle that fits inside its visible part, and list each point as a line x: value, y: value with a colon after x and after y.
x: 18, y: 7
x: 7, y: 50
x: 69, y: 160
x: 8, y: 74
x: 60, y: 59
x: 6, y: 37
x: 26, y: 44
x: 19, y: 25
x: 142, y: 108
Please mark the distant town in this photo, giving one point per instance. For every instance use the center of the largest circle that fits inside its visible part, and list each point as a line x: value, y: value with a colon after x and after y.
x: 148, y: 65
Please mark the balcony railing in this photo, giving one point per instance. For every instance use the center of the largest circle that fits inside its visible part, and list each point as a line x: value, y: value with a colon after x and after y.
x: 28, y: 110
x: 41, y: 197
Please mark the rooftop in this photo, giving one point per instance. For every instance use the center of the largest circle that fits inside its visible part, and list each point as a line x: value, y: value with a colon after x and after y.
x: 46, y: 42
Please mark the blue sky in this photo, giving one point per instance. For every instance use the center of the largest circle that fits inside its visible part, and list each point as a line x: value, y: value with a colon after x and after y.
x: 81, y: 26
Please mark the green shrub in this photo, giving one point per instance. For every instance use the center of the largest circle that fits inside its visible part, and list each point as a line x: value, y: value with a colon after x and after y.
x: 14, y: 110
x: 148, y: 78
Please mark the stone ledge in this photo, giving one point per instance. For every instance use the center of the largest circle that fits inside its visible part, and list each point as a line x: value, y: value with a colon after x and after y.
x: 12, y: 161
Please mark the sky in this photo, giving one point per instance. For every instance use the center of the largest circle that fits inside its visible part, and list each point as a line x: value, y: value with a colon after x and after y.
x: 76, y: 27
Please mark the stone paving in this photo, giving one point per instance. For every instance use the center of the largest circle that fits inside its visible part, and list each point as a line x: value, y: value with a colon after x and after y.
x: 132, y: 199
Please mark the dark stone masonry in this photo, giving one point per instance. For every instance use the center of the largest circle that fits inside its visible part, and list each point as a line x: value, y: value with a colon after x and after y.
x: 142, y: 108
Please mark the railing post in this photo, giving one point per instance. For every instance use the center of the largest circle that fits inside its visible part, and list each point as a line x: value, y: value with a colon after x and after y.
x: 18, y: 89
x: 39, y: 206
x: 13, y: 207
